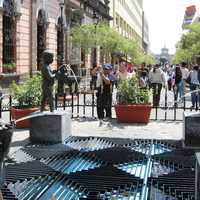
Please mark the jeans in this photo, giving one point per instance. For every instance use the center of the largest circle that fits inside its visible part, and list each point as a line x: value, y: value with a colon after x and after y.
x: 194, y: 94
x: 179, y: 91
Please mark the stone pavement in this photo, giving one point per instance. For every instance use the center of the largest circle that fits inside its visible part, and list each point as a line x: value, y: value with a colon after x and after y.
x: 161, y: 130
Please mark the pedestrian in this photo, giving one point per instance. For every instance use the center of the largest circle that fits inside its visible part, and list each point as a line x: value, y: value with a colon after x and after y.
x: 93, y: 81
x: 143, y: 81
x: 47, y: 81
x: 170, y: 80
x: 185, y: 73
x: 104, y: 93
x: 157, y: 80
x: 178, y: 84
x: 194, y: 84
x: 123, y: 74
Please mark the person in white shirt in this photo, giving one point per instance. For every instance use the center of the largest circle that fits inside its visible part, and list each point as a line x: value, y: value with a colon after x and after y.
x: 123, y: 74
x: 185, y: 73
x: 157, y: 80
x: 194, y: 84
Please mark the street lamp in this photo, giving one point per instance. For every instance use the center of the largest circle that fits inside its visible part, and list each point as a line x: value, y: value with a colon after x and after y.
x: 62, y: 4
x: 95, y: 21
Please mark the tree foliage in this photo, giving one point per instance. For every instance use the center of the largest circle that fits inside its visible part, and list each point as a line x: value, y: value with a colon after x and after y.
x: 90, y: 36
x: 189, y: 45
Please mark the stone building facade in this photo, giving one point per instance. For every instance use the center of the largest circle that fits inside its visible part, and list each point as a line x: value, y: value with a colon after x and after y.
x: 128, y: 18
x: 27, y: 27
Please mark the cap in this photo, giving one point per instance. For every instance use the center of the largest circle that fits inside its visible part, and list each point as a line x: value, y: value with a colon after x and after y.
x: 107, y: 66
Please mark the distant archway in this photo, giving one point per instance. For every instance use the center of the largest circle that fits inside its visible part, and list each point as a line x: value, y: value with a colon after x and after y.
x: 41, y: 36
x: 9, y: 36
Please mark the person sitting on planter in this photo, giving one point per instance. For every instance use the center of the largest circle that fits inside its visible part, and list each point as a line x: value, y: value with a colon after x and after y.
x: 104, y: 92
x: 47, y: 81
x: 157, y: 80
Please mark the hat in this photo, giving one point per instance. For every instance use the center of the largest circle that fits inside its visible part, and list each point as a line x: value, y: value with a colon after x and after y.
x: 107, y: 66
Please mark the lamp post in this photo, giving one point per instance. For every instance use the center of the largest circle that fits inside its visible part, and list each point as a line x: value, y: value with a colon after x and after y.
x: 62, y: 4
x: 95, y: 21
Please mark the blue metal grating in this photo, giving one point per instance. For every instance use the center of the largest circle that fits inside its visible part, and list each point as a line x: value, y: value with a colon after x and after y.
x: 88, y: 143
x: 102, y: 168
x: 72, y: 163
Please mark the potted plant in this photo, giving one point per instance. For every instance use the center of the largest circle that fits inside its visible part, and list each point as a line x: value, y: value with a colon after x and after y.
x: 27, y: 97
x: 9, y: 67
x: 133, y: 104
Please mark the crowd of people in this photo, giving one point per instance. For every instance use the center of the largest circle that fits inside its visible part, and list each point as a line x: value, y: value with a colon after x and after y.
x: 175, y: 78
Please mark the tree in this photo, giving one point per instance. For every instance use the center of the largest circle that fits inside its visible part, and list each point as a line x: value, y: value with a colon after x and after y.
x: 189, y: 45
x: 90, y: 36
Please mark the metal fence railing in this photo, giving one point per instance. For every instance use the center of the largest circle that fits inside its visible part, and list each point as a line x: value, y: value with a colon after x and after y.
x: 84, y: 105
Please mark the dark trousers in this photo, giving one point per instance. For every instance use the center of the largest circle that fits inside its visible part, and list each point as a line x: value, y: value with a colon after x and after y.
x: 104, y: 105
x: 93, y: 83
x: 157, y: 87
x: 47, y: 95
x: 194, y: 95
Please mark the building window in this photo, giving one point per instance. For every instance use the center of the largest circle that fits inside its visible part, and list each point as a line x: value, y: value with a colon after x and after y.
x: 41, y: 36
x: 9, y: 37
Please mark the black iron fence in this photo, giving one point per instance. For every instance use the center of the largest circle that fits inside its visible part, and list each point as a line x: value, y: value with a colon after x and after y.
x: 84, y: 105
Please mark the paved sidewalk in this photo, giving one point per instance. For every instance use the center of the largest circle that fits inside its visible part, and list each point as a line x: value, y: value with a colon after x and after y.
x: 154, y: 130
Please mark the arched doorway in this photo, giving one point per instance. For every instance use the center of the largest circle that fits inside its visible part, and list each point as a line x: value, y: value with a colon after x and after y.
x: 9, y: 37
x: 41, y: 36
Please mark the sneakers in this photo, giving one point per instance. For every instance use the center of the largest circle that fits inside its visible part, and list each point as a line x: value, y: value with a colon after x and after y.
x: 109, y: 125
x: 100, y: 122
x: 192, y: 107
x: 106, y: 119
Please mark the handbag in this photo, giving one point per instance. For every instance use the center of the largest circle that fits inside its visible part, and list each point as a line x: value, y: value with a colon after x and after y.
x: 188, y: 79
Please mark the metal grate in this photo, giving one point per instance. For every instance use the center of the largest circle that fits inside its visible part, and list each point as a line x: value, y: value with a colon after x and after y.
x: 117, y: 155
x: 178, y: 185
x: 102, y: 168
x: 182, y: 158
x: 7, y: 194
x: 89, y: 143
x: 46, y: 151
x: 104, y: 182
x: 71, y: 163
x: 27, y: 170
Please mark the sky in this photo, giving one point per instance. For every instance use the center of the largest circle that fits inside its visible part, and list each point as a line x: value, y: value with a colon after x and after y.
x: 165, y: 19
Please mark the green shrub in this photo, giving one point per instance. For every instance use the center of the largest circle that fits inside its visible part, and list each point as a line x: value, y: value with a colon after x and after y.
x: 9, y: 66
x: 27, y: 94
x: 129, y: 92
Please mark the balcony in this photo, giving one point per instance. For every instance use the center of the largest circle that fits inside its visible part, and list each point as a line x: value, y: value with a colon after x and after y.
x: 99, y: 7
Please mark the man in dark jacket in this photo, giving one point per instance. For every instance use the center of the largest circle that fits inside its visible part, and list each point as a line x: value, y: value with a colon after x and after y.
x: 47, y: 81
